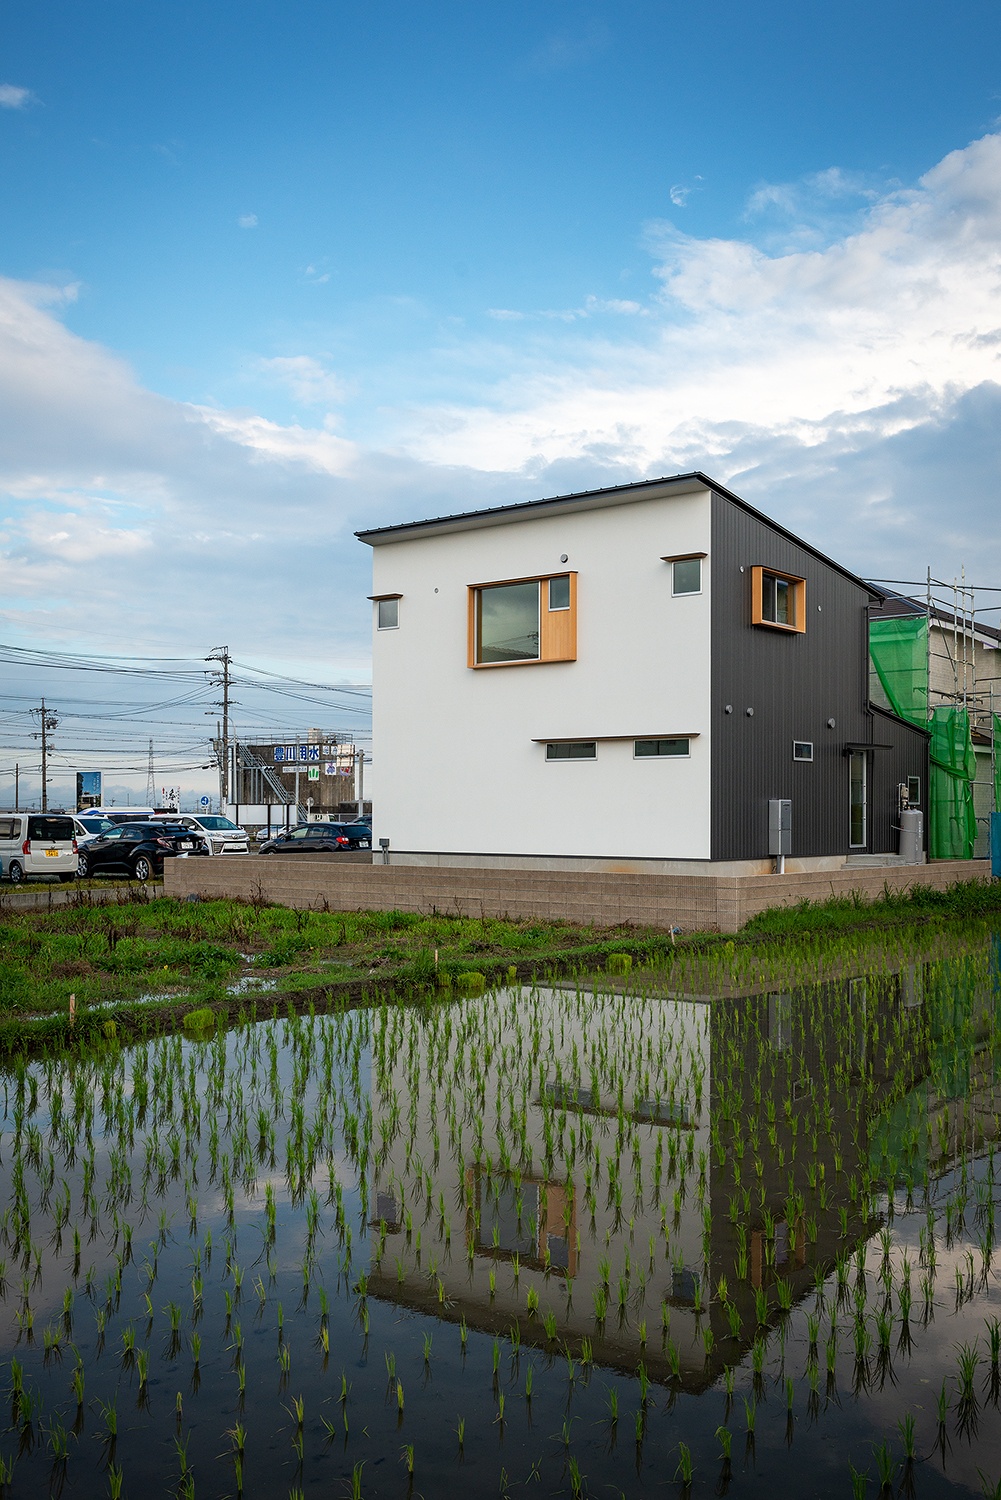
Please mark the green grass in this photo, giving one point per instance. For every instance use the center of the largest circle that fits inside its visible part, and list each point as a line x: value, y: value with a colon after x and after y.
x: 186, y: 955
x: 968, y: 898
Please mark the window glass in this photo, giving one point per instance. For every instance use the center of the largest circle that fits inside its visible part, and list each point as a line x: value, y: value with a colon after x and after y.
x: 301, y: 833
x: 559, y: 592
x: 217, y: 825
x: 914, y: 791
x: 51, y: 830
x: 6, y: 828
x: 776, y: 599
x: 643, y: 748
x: 389, y: 614
x: 573, y: 750
x: 508, y: 623
x: 802, y: 750
x: 688, y: 575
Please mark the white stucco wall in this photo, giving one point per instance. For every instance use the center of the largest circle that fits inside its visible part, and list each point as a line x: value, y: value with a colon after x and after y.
x: 642, y: 670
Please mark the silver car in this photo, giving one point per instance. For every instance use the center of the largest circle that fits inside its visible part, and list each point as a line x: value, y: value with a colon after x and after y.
x: 220, y: 834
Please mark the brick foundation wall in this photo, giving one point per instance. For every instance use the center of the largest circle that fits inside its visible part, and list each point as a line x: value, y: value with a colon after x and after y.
x: 692, y: 902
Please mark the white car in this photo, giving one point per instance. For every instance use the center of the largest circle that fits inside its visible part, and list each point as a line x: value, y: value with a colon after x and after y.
x: 221, y: 835
x: 88, y: 827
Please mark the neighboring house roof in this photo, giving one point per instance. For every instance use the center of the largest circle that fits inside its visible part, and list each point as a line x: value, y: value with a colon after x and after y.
x: 616, y: 494
x: 895, y: 606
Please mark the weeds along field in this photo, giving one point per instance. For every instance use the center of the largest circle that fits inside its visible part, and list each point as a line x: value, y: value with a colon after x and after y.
x: 720, y: 1219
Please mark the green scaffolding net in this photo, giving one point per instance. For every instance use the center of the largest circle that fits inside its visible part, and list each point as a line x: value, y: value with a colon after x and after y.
x: 898, y: 652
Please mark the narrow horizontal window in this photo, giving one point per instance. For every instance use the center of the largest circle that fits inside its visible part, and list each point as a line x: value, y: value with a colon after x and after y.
x: 559, y: 592
x: 644, y: 748
x: 388, y: 614
x: 573, y: 750
x: 687, y: 575
x: 802, y: 750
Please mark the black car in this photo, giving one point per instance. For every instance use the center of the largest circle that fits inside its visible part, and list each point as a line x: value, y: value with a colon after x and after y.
x: 320, y: 838
x: 137, y: 849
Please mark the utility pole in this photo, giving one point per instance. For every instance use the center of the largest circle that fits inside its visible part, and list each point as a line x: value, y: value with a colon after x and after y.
x: 220, y: 676
x: 151, y: 779
x: 360, y: 778
x: 48, y: 721
x: 17, y: 787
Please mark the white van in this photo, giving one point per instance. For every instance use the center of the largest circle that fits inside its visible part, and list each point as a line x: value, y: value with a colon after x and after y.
x: 220, y: 834
x: 33, y: 843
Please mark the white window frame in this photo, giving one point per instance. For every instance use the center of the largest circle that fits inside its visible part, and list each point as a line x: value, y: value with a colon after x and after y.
x: 378, y: 614
x: 802, y: 759
x: 677, y: 738
x: 677, y: 593
x: 569, y: 760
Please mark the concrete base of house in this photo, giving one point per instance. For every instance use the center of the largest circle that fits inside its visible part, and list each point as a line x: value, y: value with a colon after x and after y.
x: 705, y: 903
x: 604, y: 865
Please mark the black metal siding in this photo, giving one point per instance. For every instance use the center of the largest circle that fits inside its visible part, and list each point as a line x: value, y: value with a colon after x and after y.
x: 907, y: 756
x: 794, y: 683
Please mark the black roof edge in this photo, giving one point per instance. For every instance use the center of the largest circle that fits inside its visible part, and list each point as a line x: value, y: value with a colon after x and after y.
x: 638, y: 484
x: 877, y: 708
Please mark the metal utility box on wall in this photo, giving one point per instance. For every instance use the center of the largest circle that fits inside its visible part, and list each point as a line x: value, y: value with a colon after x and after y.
x: 780, y: 825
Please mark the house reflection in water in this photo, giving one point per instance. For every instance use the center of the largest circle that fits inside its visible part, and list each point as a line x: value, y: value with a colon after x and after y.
x: 641, y: 1178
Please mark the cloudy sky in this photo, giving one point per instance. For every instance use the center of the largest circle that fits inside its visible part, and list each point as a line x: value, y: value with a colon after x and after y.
x: 275, y: 271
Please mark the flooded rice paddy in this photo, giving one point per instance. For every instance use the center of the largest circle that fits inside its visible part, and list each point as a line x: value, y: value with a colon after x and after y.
x: 728, y: 1229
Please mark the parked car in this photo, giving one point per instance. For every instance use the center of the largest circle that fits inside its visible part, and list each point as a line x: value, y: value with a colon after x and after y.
x: 37, y: 844
x: 88, y: 827
x: 119, y: 814
x: 318, y: 838
x: 138, y: 849
x: 221, y: 835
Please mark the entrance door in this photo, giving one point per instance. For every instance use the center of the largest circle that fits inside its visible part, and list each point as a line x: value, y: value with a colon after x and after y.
x: 859, y: 833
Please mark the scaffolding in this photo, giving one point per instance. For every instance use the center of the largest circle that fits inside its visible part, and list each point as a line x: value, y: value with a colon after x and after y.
x: 953, y: 693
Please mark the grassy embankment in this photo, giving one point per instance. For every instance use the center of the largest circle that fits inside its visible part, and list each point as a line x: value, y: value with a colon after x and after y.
x: 145, y: 964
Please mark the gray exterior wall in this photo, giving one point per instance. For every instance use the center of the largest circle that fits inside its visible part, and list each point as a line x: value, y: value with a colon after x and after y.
x: 794, y: 683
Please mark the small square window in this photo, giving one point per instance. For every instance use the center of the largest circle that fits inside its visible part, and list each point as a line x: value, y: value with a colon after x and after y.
x: 644, y: 748
x: 778, y: 600
x: 687, y: 575
x: 573, y: 750
x: 559, y: 592
x: 802, y: 749
x: 389, y: 614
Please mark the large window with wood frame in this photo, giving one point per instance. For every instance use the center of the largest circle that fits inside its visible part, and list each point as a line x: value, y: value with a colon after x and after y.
x: 778, y: 600
x: 523, y: 620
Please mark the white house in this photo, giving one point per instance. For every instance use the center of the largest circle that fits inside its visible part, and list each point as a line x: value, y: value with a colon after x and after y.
x: 627, y: 675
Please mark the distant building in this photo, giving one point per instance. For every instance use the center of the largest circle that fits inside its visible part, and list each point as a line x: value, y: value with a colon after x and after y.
x: 275, y: 768
x: 627, y: 678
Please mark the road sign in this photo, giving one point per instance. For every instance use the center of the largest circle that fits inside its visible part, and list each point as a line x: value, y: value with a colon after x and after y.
x: 205, y: 802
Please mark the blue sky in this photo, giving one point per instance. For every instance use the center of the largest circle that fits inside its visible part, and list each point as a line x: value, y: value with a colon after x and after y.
x: 271, y: 272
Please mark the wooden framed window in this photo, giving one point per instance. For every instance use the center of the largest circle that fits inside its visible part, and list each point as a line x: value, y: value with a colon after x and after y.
x: 778, y: 600
x: 522, y: 621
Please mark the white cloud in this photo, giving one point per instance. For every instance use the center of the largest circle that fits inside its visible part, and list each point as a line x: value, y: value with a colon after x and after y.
x: 852, y: 388
x: 877, y: 331
x: 13, y: 97
x: 247, y: 221
x: 680, y: 195
x: 306, y: 377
